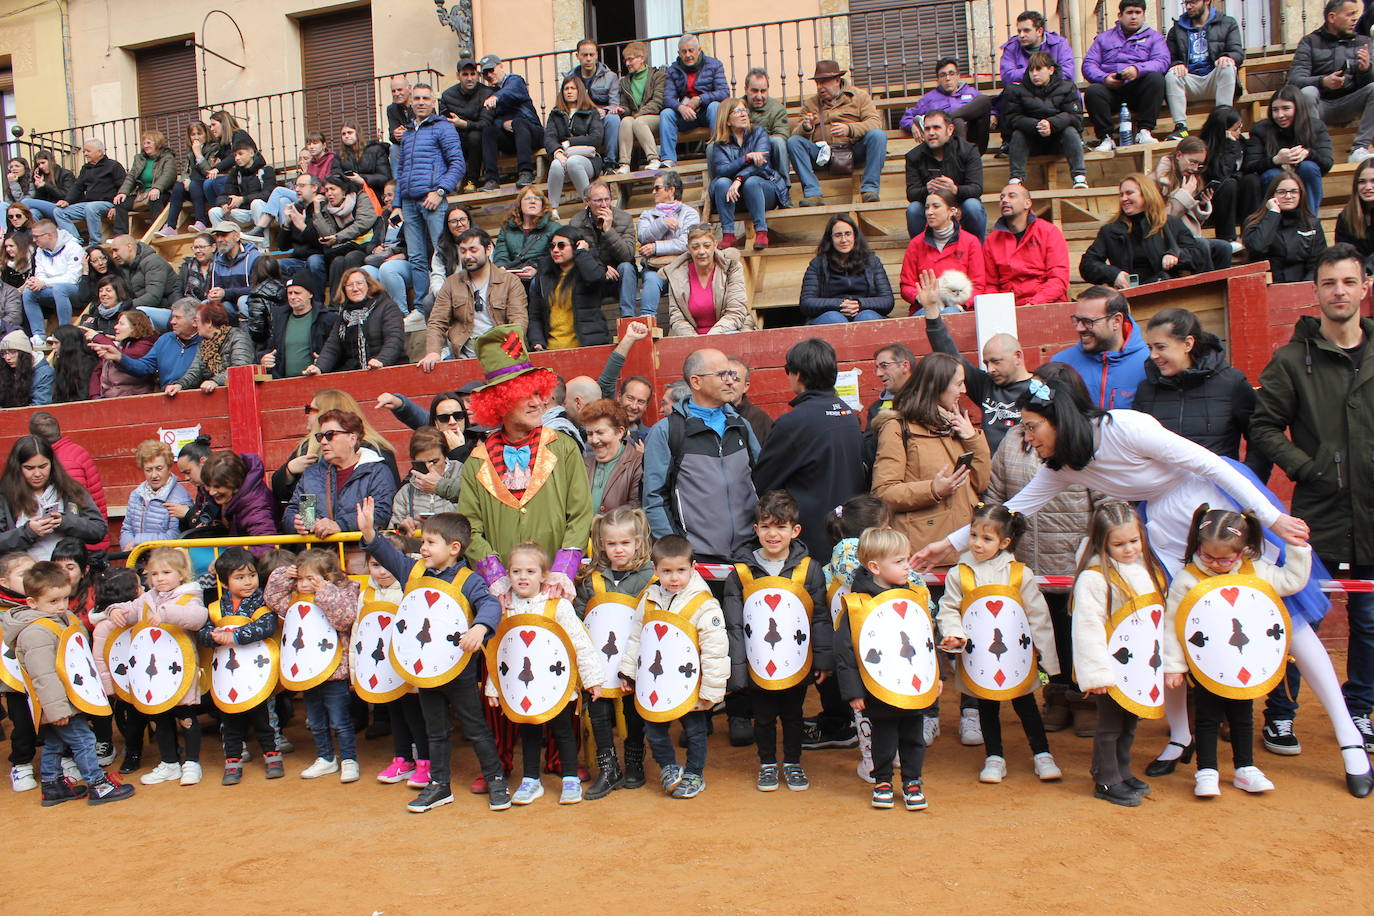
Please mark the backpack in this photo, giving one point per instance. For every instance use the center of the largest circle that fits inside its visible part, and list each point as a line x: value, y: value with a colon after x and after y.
x: 677, y: 437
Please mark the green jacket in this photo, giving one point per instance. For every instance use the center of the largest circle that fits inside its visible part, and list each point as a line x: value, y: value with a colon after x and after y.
x: 517, y: 248
x: 164, y: 173
x: 1315, y: 419
x: 773, y: 118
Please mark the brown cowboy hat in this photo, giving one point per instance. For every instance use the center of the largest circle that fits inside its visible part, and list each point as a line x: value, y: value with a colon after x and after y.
x: 827, y: 69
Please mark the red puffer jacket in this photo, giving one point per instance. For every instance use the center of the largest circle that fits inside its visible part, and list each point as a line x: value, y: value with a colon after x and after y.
x: 964, y: 252
x: 1035, y: 269
x: 78, y: 462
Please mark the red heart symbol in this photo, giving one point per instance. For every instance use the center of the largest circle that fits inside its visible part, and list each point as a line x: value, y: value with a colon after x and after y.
x: 431, y: 597
x: 384, y: 620
x: 772, y: 600
x: 80, y: 641
x: 1155, y: 616
x: 994, y: 608
x: 527, y: 636
x: 660, y: 630
x: 155, y: 634
x: 900, y: 608
x: 302, y: 610
x: 1230, y: 594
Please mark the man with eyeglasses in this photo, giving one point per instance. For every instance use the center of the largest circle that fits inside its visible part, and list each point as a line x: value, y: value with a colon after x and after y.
x: 893, y: 365
x: 661, y: 232
x: 298, y: 233
x: 969, y: 110
x: 474, y: 299
x: 57, y: 260
x: 609, y: 231
x: 1205, y: 53
x: 1111, y: 351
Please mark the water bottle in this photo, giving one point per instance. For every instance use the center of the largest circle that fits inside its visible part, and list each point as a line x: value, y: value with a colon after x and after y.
x: 1127, y: 132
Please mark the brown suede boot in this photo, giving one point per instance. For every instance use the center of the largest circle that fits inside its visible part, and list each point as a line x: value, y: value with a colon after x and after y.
x: 1084, y: 714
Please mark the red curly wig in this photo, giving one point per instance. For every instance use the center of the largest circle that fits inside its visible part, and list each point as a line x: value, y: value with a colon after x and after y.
x: 489, y: 406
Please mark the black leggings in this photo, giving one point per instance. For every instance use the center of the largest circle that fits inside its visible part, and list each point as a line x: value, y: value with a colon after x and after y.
x: 1058, y: 603
x: 989, y: 714
x: 532, y: 743
x: 23, y: 736
x: 167, y: 734
x: 236, y: 726
x: 771, y: 705
x: 408, y: 738
x: 602, y: 715
x: 898, y: 733
x: 132, y: 725
x: 1211, y: 709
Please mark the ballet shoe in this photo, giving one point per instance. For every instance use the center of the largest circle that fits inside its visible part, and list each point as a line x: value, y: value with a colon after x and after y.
x: 1159, y: 767
x: 1359, y: 784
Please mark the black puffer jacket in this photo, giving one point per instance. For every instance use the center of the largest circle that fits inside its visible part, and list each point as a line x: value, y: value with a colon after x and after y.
x: 589, y: 321
x: 1209, y: 404
x: 264, y: 301
x: 1025, y: 104
x: 583, y: 127
x: 1114, y: 250
x: 1290, y: 247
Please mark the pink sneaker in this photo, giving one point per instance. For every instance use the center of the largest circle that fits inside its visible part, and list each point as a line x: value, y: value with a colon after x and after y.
x: 398, y: 771
x: 479, y: 786
x: 420, y: 778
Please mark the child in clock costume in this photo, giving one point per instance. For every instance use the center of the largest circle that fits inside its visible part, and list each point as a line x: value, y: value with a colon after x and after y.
x: 23, y: 736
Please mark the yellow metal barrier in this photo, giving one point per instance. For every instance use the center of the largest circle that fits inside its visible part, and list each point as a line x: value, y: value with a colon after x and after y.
x: 276, y: 540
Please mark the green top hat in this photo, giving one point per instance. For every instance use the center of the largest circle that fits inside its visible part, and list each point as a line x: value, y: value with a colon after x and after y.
x: 503, y: 354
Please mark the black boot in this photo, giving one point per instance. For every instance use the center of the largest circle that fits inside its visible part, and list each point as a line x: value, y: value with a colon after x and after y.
x: 634, y: 767
x: 608, y: 777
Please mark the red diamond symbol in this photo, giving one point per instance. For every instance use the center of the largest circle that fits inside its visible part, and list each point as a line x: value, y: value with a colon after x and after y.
x: 233, y: 695
x: 770, y: 667
x: 372, y: 682
x: 916, y: 682
x: 418, y: 666
x: 525, y: 704
x: 148, y: 696
x: 1154, y: 694
x: 295, y: 669
x: 653, y: 698
x: 999, y: 677
x: 1243, y: 676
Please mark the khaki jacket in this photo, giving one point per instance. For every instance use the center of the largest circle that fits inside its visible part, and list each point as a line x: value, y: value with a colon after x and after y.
x: 852, y: 106
x: 727, y: 289
x: 452, y: 316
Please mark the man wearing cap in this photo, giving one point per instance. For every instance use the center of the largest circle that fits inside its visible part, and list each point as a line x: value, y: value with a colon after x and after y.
x: 461, y: 105
x: 838, y: 115
x: 299, y: 329
x: 513, y: 125
x: 234, y: 260
x: 1125, y: 66
x: 693, y: 90
x: 603, y: 86
x: 431, y: 168
x: 526, y: 482
x: 473, y: 298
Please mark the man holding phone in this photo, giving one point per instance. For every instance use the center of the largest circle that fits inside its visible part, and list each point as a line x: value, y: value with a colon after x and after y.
x: 1332, y: 67
x: 1125, y: 66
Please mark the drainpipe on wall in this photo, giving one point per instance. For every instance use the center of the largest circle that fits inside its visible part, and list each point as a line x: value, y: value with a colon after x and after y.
x: 67, y: 61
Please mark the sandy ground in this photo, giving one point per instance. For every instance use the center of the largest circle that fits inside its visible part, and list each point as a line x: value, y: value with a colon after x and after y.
x: 291, y: 847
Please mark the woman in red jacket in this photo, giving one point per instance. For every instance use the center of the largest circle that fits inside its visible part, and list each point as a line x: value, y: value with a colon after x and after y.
x: 943, y: 247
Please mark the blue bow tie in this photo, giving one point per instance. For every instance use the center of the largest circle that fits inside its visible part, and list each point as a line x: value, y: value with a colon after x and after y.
x: 517, y: 459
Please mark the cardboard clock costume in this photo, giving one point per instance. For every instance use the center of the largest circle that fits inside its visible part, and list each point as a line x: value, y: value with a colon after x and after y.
x: 998, y: 661
x: 533, y: 664
x: 668, y: 678
x: 241, y: 677
x: 117, y: 661
x: 1135, y: 643
x: 1234, y: 632
x: 310, y: 646
x: 430, y: 621
x: 162, y: 667
x: 894, y: 646
x: 375, y: 679
x: 609, y: 617
x: 835, y: 596
x: 76, y: 670
x: 10, y: 673
x: 777, y: 626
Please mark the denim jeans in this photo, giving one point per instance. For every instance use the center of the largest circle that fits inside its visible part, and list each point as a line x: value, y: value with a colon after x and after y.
x: 629, y: 287
x: 277, y: 202
x: 91, y: 213
x: 212, y: 187
x: 670, y: 124
x: 1282, y: 702
x: 757, y: 194
x: 79, y: 738
x: 661, y: 742
x: 423, y: 230
x: 610, y: 146
x: 777, y: 148
x: 651, y: 295
x: 314, y: 263
x: 59, y: 294
x: 327, y: 705
x: 1311, y: 176
x: 839, y: 318
x: 244, y: 217
x: 41, y: 209
x: 394, y: 275
x: 975, y: 217
x: 870, y: 149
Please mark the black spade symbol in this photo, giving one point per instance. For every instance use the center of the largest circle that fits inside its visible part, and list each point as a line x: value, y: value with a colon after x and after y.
x: 873, y: 657
x: 1156, y: 662
x: 358, y: 647
x: 998, y: 647
x: 688, y: 670
x: 423, y: 637
x: 1238, y: 637
x: 503, y: 668
x: 609, y: 650
x: 121, y: 669
x: 657, y: 667
x: 401, y: 625
x: 1275, y: 632
x: 379, y: 653
x: 526, y: 673
x: 78, y: 680
x: 1122, y: 655
x: 748, y: 631
x: 772, y: 637
x: 1199, y: 639
x: 799, y: 637
x: 557, y: 668
x: 968, y: 647
x: 908, y: 650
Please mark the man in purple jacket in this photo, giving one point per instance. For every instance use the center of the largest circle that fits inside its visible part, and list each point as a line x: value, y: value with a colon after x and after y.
x: 970, y: 111
x: 1031, y: 37
x: 1125, y: 65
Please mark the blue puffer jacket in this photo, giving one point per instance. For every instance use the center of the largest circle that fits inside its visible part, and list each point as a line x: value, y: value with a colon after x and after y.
x: 146, y: 518
x: 1113, y: 377
x: 711, y: 84
x: 370, y: 477
x: 727, y: 161
x: 431, y: 159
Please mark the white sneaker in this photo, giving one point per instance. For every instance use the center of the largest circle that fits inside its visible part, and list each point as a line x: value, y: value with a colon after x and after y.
x: 1106, y: 145
x: 1144, y: 136
x: 994, y: 770
x: 654, y: 165
x: 1080, y: 182
x: 930, y: 729
x: 667, y: 164
x: 1207, y: 784
x: 1046, y: 768
x: 321, y: 767
x: 864, y: 771
x: 622, y: 170
x: 415, y: 321
x: 190, y: 773
x: 1014, y: 181
x: 348, y: 771
x: 163, y: 772
x: 1237, y: 248
x: 71, y: 770
x: 970, y: 729
x: 1359, y: 154
x: 1251, y: 779
x: 38, y: 342
x: 21, y: 777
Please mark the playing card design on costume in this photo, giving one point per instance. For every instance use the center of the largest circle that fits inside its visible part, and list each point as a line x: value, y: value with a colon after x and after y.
x: 668, y: 680
x: 310, y: 646
x: 1135, y: 635
x: 117, y: 661
x: 76, y: 668
x: 608, y: 617
x: 1234, y: 630
x: 835, y: 595
x: 430, y: 622
x: 533, y: 666
x: 774, y: 606
x: 162, y: 667
x: 241, y: 677
x: 10, y: 675
x: 375, y: 680
x: 998, y: 661
x: 894, y: 643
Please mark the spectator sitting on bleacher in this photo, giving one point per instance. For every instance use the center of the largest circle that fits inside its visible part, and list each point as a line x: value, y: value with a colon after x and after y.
x: 1291, y: 137
x: 472, y: 300
x: 603, y: 88
x: 523, y: 239
x: 148, y: 276
x: 461, y: 104
x: 195, y: 278
x: 845, y: 281
x: 611, y: 233
x: 1026, y: 256
x: 57, y: 260
x: 1285, y: 232
x: 1332, y: 68
x: 641, y: 106
x: 91, y: 196
x: 741, y: 169
x: 171, y: 354
x: 234, y: 260
x: 706, y: 293
x: 299, y: 329
x: 222, y: 347
x: 133, y: 336
x: 316, y: 158
x: 370, y: 332
x: 149, y: 180
x: 969, y: 110
x: 18, y: 182
x: 943, y: 246
x: 202, y: 153
x: 386, y: 260
x: 26, y: 379
x: 364, y: 163
x: 51, y: 181
x: 1142, y: 243
x: 430, y: 168
x: 1205, y: 53
x: 398, y: 118
x: 344, y: 223
x: 1125, y: 66
x: 573, y: 137
x: 445, y: 259
x: 565, y: 305
x: 1355, y: 224
x: 662, y: 234
x: 267, y: 296
x: 226, y: 134
x: 1041, y: 115
x: 1030, y: 38
x: 1180, y: 174
x: 944, y: 160
x: 1235, y: 193
x: 247, y: 187
x: 95, y: 266
x: 298, y: 236
x: 111, y: 298
x: 511, y: 125
x: 694, y: 87
x: 770, y: 114
x: 838, y: 116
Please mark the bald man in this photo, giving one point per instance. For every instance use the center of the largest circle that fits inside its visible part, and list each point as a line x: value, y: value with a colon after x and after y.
x: 582, y: 390
x: 1026, y: 256
x: 996, y: 388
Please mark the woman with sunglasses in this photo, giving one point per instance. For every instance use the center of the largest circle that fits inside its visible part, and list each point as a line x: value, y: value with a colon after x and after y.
x: 565, y: 305
x: 1285, y: 232
x: 222, y: 347
x: 446, y: 414
x: 345, y: 475
x: 307, y: 451
x: 18, y: 220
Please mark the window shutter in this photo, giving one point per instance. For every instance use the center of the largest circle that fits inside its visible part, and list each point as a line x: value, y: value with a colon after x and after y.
x: 336, y: 64
x: 167, y: 91
x: 885, y: 40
